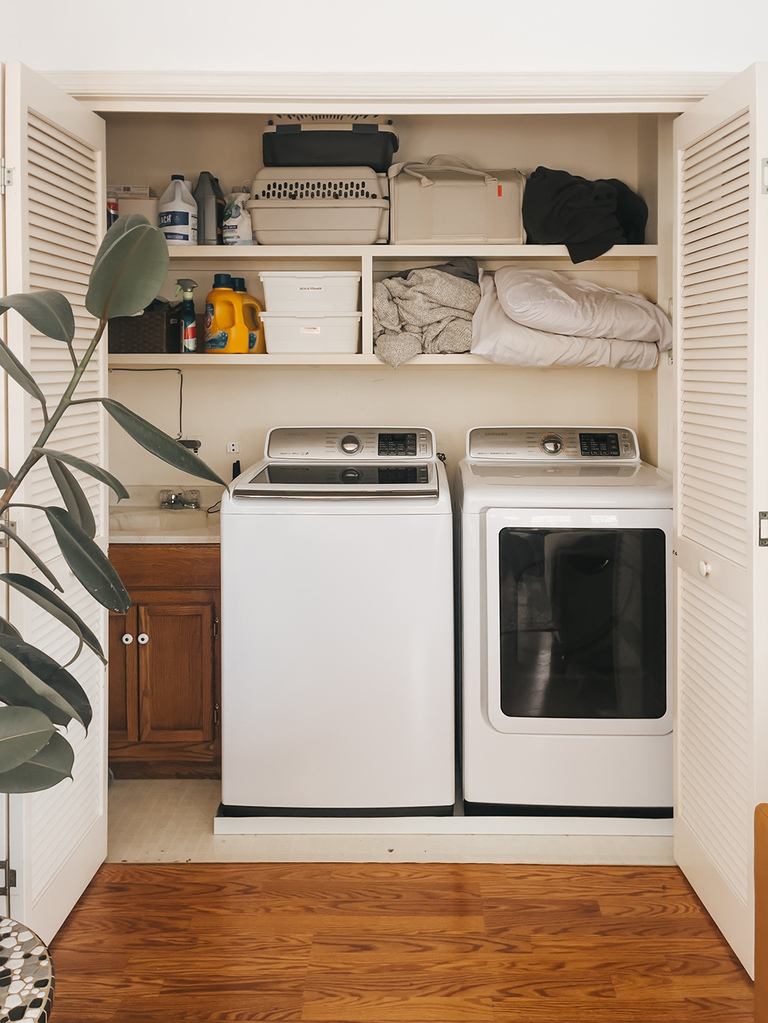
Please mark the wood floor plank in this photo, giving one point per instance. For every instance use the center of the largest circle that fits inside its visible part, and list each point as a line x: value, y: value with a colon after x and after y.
x: 394, y: 943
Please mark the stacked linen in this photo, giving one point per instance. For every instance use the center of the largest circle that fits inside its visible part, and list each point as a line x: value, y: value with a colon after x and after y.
x: 535, y: 317
x: 425, y: 310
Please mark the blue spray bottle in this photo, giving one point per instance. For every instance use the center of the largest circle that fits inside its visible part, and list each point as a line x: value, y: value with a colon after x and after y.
x: 188, y: 322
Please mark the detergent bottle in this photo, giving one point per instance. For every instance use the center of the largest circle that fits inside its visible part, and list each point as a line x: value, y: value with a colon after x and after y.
x: 188, y: 322
x: 220, y: 315
x: 251, y: 309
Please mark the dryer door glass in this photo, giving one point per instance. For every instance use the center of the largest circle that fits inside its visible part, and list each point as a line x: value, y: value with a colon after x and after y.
x: 582, y: 623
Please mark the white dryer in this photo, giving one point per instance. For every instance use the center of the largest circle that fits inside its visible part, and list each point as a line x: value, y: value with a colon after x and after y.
x: 566, y: 613
x: 337, y: 627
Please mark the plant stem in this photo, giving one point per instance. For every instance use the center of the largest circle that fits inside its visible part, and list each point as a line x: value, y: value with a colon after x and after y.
x: 48, y: 428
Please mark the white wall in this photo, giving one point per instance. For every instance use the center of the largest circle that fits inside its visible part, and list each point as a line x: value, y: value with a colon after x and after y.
x: 396, y: 35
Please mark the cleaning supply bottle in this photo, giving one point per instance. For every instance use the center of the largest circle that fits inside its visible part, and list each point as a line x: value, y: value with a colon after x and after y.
x: 220, y: 315
x: 188, y: 322
x: 251, y: 316
x: 210, y: 209
x: 177, y: 213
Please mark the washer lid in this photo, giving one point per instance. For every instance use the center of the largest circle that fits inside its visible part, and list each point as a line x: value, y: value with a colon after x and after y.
x: 339, y: 480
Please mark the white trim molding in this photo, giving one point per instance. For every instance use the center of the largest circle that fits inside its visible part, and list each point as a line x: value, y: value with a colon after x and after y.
x: 384, y: 93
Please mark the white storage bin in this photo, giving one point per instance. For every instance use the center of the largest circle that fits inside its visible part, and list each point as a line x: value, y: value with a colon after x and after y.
x: 312, y: 332
x: 310, y: 291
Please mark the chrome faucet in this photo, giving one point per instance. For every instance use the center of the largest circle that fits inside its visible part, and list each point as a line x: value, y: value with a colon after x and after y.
x: 180, y: 499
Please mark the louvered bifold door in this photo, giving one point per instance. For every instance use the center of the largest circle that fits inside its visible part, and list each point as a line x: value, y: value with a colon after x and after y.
x: 54, y: 225
x: 721, y: 486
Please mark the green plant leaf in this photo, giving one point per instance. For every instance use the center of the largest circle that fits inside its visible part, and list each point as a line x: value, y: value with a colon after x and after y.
x: 40, y: 682
x: 87, y: 560
x: 6, y: 629
x: 158, y: 443
x: 74, y: 498
x: 92, y: 470
x: 13, y: 535
x: 18, y: 372
x: 5, y: 477
x: 129, y: 270
x: 47, y: 311
x: 56, y: 607
x: 47, y: 768
x: 23, y: 733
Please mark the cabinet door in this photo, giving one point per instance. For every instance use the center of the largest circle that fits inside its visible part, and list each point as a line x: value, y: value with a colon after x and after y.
x: 176, y: 671
x: 54, y: 223
x: 721, y: 487
x: 123, y: 677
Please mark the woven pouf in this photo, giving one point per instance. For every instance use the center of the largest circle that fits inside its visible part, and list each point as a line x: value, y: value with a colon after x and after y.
x: 26, y: 975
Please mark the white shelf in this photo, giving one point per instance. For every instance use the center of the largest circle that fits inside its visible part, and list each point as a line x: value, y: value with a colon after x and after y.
x: 139, y: 361
x: 447, y: 249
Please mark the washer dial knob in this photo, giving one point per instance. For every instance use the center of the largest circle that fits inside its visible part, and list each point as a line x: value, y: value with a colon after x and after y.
x: 551, y: 444
x: 350, y: 444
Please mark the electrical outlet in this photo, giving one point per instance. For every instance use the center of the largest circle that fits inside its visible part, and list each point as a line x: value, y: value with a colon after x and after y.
x: 233, y: 447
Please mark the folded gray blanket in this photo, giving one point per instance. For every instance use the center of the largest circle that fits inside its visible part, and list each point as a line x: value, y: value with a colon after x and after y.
x: 428, y: 311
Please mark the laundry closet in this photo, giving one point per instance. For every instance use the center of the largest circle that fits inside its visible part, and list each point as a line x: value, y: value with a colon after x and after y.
x: 697, y: 417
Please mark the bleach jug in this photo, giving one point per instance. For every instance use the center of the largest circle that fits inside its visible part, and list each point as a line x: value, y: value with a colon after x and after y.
x: 177, y: 213
x: 249, y: 314
x: 220, y: 316
x: 188, y: 321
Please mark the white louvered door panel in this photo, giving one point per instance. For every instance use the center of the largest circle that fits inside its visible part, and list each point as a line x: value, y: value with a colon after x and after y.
x: 721, y: 484
x: 54, y: 225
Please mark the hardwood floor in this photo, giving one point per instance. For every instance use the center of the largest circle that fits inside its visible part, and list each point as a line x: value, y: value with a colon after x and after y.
x: 394, y: 943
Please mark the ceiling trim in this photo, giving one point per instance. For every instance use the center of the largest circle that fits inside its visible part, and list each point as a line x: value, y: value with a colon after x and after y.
x: 387, y: 93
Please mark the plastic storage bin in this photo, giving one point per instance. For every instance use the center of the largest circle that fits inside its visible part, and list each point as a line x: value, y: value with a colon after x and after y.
x: 447, y: 200
x: 310, y: 291
x: 319, y: 206
x: 312, y: 332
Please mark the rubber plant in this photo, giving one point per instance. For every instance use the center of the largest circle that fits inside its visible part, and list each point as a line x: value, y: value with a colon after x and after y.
x: 39, y: 698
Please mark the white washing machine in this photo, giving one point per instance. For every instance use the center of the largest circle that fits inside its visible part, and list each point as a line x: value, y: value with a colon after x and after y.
x: 566, y: 614
x: 337, y: 627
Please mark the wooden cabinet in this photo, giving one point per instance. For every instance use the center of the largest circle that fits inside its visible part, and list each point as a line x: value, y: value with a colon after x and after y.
x: 164, y: 662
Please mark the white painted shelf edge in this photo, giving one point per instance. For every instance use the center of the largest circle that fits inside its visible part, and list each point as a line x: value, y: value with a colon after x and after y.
x: 235, y: 253
x: 136, y: 361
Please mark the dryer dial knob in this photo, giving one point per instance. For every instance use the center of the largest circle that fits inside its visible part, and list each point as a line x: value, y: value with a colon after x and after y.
x: 350, y: 444
x: 350, y: 475
x: 551, y: 444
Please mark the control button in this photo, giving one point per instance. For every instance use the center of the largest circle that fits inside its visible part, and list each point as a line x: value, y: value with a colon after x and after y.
x: 350, y: 475
x: 551, y: 444
x: 350, y: 444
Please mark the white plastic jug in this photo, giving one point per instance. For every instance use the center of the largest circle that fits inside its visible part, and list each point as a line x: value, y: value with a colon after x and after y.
x: 177, y: 213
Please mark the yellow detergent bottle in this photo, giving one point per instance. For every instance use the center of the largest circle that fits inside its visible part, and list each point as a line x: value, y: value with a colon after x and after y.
x: 250, y: 311
x: 220, y: 318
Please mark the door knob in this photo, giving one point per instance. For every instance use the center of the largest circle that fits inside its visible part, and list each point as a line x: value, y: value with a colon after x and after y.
x: 704, y: 571
x: 143, y: 638
x: 127, y: 639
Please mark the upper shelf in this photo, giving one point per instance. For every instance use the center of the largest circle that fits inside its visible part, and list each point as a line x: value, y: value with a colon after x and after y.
x: 228, y: 252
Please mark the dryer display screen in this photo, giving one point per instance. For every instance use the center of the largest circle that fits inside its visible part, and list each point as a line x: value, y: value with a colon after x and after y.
x: 605, y: 444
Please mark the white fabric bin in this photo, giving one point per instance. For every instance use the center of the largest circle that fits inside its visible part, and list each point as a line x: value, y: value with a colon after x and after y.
x: 312, y: 332
x: 310, y: 291
x: 447, y: 200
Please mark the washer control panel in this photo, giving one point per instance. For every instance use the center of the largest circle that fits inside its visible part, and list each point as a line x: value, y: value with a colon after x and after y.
x: 333, y: 443
x: 572, y: 443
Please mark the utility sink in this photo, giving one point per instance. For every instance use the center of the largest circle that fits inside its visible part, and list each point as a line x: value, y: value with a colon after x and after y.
x: 142, y: 524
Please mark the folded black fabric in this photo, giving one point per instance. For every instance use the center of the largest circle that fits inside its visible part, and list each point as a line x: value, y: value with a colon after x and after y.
x: 460, y: 266
x: 588, y: 217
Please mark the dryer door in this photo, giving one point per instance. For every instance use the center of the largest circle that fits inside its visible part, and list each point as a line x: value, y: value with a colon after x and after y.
x: 578, y: 621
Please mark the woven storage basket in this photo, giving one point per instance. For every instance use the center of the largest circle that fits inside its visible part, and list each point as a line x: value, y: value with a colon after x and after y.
x: 155, y: 331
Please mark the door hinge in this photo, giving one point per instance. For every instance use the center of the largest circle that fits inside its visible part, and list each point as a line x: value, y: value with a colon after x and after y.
x: 762, y: 529
x: 6, y: 176
x: 215, y: 628
x: 764, y: 176
x: 216, y: 715
x: 10, y: 878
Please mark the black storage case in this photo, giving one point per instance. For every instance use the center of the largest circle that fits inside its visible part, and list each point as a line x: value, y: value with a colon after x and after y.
x: 329, y: 144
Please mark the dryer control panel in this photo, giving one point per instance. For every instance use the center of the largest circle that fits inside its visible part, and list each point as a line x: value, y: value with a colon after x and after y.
x: 331, y: 443
x: 561, y: 443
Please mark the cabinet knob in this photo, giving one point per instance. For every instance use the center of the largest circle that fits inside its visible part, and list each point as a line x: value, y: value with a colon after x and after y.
x: 143, y: 638
x: 704, y: 569
x: 127, y: 639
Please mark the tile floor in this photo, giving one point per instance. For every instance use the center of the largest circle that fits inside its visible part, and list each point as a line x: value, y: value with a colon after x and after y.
x: 171, y: 821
